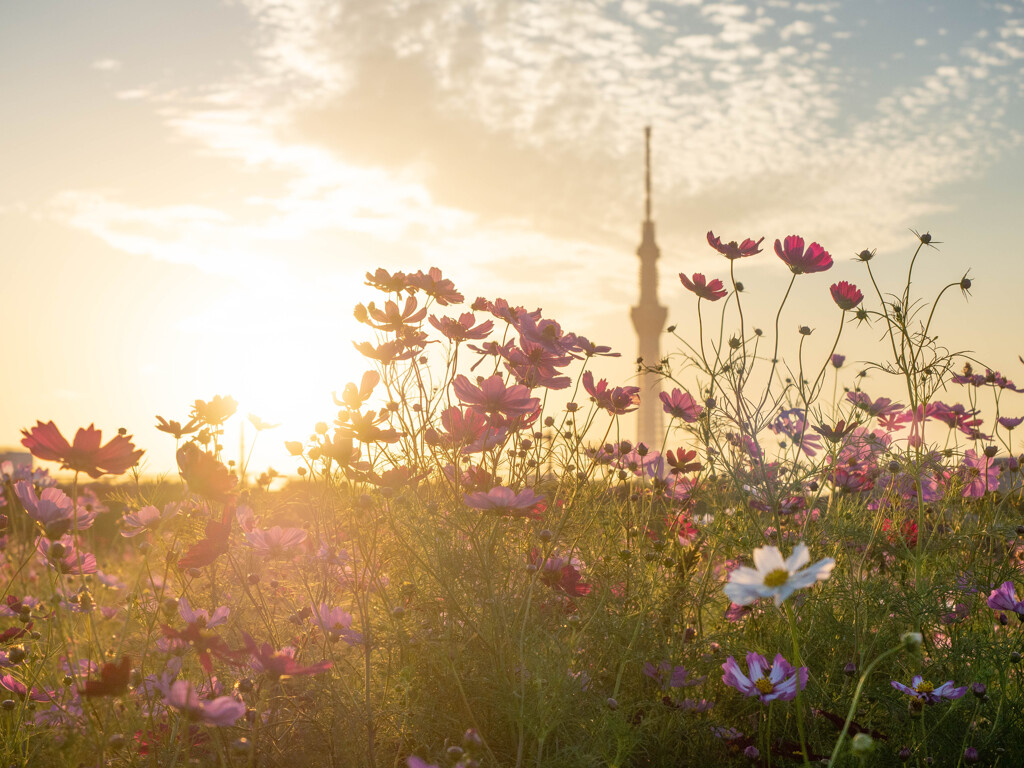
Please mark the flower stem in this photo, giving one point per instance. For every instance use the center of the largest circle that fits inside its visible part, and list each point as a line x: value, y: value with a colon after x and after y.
x: 799, y: 692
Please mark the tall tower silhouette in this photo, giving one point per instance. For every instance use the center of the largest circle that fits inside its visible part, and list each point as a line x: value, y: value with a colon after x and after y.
x: 648, y: 320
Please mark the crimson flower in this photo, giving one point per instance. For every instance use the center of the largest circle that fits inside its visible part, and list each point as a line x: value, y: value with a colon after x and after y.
x: 712, y: 291
x: 113, y: 679
x: 846, y: 295
x: 682, y: 461
x: 732, y: 251
x: 84, y: 455
x: 206, y: 550
x: 617, y: 400
x: 279, y: 663
x: 800, y: 261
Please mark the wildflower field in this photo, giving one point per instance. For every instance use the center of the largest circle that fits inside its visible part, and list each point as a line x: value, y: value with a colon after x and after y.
x: 476, y: 567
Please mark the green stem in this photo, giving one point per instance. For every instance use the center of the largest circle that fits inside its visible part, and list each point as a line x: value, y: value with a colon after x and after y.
x: 799, y: 693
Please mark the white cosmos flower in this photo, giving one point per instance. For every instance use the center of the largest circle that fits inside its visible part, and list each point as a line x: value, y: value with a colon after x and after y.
x: 774, y: 577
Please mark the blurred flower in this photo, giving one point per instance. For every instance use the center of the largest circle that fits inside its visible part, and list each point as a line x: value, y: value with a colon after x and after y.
x: 336, y: 624
x: 216, y: 412
x: 64, y: 557
x: 203, y: 474
x: 221, y: 711
x: 113, y: 679
x: 148, y: 518
x: 353, y: 397
x: 768, y: 682
x: 838, y: 360
x: 386, y: 282
x: 774, y: 577
x: 1004, y: 598
x: 85, y: 454
x: 277, y: 542
x: 668, y: 676
x: 280, y: 663
x: 503, y: 501
x: 799, y: 261
x: 175, y: 428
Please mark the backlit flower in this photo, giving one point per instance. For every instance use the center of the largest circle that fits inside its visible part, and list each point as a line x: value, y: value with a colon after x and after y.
x: 846, y: 295
x: 221, y: 711
x: 203, y: 474
x: 681, y: 404
x: 493, y: 397
x: 731, y: 250
x: 774, y: 577
x: 617, y: 400
x: 52, y: 509
x: 85, y: 454
x: 277, y: 542
x: 768, y: 682
x: 699, y: 285
x: 503, y: 501
x: 800, y: 261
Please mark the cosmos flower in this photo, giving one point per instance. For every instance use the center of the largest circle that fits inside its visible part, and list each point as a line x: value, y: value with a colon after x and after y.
x: 336, y: 624
x: 732, y: 251
x: 434, y: 285
x: 113, y: 679
x: 280, y: 663
x: 1004, y: 598
x: 216, y: 412
x: 768, y: 682
x: 85, y: 454
x: 774, y: 577
x: 463, y: 329
x: 846, y: 295
x: 492, y: 396
x: 800, y: 261
x: 712, y: 291
x: 149, y: 518
x: 681, y: 404
x: 383, y: 281
x: 924, y: 691
x: 52, y: 509
x: 277, y: 542
x: 221, y: 711
x: 204, y: 474
x: 63, y: 556
x: 617, y: 400
x: 503, y: 501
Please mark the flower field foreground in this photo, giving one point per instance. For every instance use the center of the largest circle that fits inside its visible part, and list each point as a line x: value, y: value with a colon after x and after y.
x: 474, y: 568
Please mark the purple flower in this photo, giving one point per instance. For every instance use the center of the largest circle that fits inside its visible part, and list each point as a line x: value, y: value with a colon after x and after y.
x: 668, y: 676
x: 769, y: 682
x: 921, y: 689
x: 1005, y: 599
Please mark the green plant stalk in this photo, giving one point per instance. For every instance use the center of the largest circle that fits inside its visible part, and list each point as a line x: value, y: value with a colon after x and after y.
x: 799, y: 693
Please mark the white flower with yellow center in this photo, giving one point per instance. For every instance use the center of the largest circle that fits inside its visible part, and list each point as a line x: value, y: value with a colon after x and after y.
x: 775, y: 577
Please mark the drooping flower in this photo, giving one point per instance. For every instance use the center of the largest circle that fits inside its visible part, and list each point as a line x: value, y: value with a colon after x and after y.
x: 85, y: 454
x: 846, y: 295
x: 215, y: 543
x: 681, y: 404
x: 221, y: 711
x: 775, y: 577
x: 699, y: 285
x: 768, y: 682
x: 800, y: 261
x: 925, y: 691
x: 731, y: 250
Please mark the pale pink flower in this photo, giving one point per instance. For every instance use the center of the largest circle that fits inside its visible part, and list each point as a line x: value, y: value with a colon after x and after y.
x: 221, y: 711
x: 277, y: 542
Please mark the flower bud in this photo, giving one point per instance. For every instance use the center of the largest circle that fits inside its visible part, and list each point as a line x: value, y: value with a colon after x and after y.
x: 751, y: 753
x: 861, y: 744
x: 912, y: 641
x: 970, y: 755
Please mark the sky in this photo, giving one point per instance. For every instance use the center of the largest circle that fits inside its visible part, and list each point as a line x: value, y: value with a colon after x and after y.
x: 194, y: 190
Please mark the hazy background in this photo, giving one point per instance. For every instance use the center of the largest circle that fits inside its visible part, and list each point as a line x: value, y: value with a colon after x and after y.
x: 192, y: 191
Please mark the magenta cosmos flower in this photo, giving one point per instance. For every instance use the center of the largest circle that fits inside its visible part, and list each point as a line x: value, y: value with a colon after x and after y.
x: 681, y: 405
x: 800, y: 261
x: 732, y: 251
x: 52, y: 509
x: 84, y: 455
x: 222, y: 711
x: 712, y: 291
x: 921, y: 689
x: 617, y: 400
x: 846, y: 295
x: 768, y: 682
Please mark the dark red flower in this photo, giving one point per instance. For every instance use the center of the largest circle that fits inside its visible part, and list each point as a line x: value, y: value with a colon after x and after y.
x: 205, y: 475
x: 800, y: 261
x: 712, y: 291
x: 732, y: 251
x: 85, y: 455
x: 846, y: 295
x: 113, y: 679
x: 682, y: 461
x: 206, y: 550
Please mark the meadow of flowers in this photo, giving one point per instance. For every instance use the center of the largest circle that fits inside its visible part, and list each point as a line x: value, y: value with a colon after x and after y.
x: 475, y: 568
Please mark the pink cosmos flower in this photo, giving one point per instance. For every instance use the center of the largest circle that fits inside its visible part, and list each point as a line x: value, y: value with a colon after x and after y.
x: 22, y: 691
x: 221, y: 711
x: 336, y: 624
x: 681, y: 404
x: 465, y: 430
x: 617, y: 401
x: 921, y: 689
x: 383, y: 281
x: 1004, y: 598
x: 590, y: 349
x: 981, y: 474
x: 799, y: 261
x: 63, y: 556
x: 503, y: 501
x: 200, y: 618
x: 846, y: 295
x: 667, y: 676
x: 732, y: 251
x: 434, y: 285
x: 277, y: 542
x: 494, y: 398
x: 85, y: 454
x: 712, y: 291
x: 768, y: 682
x: 880, y: 407
x: 392, y: 319
x: 52, y: 509
x: 462, y: 329
x: 148, y: 518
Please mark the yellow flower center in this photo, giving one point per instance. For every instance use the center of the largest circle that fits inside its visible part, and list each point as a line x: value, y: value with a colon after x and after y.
x: 776, y: 578
x: 925, y: 687
x: 764, y: 685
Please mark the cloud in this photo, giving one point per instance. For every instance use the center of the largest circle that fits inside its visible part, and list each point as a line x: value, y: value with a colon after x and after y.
x: 106, y: 65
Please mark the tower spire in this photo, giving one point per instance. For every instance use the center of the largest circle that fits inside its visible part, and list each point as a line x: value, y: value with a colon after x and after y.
x: 649, y: 320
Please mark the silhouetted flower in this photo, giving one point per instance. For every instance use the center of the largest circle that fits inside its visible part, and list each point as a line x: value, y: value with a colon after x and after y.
x: 45, y: 442
x: 712, y: 291
x: 731, y: 250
